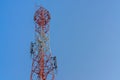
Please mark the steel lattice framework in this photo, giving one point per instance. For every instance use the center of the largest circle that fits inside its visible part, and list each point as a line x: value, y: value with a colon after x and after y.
x: 43, y: 63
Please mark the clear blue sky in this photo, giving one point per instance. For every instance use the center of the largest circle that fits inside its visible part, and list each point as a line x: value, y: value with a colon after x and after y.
x: 85, y: 37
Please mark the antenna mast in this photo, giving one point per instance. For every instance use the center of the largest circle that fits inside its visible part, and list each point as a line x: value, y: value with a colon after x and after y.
x: 44, y: 65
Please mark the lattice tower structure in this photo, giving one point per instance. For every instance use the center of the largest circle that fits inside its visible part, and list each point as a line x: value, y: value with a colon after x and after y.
x: 44, y: 65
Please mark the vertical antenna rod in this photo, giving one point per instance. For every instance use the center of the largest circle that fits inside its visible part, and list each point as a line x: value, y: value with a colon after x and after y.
x: 44, y: 64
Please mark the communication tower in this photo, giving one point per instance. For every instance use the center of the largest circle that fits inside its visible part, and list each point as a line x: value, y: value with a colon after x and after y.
x: 44, y: 65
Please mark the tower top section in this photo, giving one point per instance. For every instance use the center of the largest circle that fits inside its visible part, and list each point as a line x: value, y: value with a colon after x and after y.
x: 42, y: 17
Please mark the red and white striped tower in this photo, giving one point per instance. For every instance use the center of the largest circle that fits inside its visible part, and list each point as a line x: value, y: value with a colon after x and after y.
x: 44, y: 64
